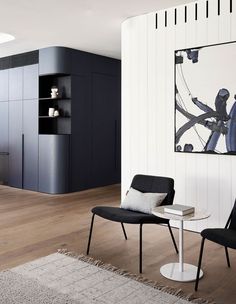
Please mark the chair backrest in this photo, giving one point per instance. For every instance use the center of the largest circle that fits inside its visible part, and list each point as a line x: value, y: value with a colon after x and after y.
x: 155, y: 184
x: 232, y: 218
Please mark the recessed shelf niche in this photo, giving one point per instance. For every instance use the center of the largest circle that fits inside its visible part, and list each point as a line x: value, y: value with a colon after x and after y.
x: 62, y: 123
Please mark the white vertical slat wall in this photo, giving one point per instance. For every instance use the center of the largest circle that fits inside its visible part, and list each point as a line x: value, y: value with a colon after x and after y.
x: 148, y: 44
x: 201, y: 160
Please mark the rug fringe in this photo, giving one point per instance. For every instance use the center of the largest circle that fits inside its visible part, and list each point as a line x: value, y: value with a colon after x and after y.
x: 170, y: 290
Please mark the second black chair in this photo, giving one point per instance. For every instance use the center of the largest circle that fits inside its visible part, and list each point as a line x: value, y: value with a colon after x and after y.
x: 143, y: 183
x: 222, y: 236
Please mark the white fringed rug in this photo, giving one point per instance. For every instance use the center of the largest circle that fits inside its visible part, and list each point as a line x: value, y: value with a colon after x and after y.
x: 63, y: 278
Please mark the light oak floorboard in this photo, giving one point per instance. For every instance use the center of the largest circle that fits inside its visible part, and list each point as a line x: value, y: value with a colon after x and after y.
x: 33, y: 225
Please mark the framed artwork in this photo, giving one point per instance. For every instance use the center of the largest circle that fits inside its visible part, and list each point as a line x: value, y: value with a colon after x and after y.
x: 205, y: 99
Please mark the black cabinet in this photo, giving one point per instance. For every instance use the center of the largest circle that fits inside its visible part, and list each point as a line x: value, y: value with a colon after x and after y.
x: 15, y: 144
x: 89, y: 92
x: 30, y: 144
x: 4, y: 74
x: 30, y: 127
x: 105, y: 119
x: 80, y: 148
x: 54, y: 163
x: 30, y: 81
x: 23, y: 127
x: 3, y: 168
x: 16, y: 84
x: 81, y: 133
x: 4, y: 126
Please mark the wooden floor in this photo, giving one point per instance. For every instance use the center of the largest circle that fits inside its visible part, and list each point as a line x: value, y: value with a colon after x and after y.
x: 33, y: 225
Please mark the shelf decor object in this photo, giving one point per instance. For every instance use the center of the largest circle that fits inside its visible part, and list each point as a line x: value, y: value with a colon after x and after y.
x: 179, y: 209
x: 51, y: 112
x: 54, y: 92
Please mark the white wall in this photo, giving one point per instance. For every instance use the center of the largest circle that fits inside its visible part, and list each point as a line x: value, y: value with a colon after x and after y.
x: 206, y: 181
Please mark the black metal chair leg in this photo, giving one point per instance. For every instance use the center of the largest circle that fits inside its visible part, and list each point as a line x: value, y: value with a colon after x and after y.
x: 199, y: 264
x: 227, y: 256
x: 140, y: 247
x: 173, y: 239
x: 90, y: 233
x: 123, y: 228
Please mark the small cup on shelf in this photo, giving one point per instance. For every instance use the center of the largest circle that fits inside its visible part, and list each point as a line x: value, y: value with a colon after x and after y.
x: 51, y: 112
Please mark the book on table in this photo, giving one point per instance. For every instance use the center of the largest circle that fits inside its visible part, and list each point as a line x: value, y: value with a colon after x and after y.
x: 179, y: 209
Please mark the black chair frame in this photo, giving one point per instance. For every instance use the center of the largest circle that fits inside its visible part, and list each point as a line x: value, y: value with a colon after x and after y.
x: 227, y: 226
x: 162, y: 221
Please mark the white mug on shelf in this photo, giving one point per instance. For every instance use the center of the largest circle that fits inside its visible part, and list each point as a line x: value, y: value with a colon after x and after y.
x: 51, y: 112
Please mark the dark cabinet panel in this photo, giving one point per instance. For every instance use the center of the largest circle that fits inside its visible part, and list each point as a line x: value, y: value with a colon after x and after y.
x: 30, y: 81
x: 4, y: 85
x: 4, y: 126
x: 16, y: 83
x: 15, y: 144
x: 104, y: 163
x: 3, y: 169
x: 54, y: 60
x: 81, y: 131
x: 54, y: 163
x: 30, y: 149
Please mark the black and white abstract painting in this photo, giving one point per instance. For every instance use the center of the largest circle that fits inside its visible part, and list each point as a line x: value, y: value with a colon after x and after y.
x: 205, y: 99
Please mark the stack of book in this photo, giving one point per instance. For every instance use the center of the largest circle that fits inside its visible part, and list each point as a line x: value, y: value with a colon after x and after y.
x: 179, y: 209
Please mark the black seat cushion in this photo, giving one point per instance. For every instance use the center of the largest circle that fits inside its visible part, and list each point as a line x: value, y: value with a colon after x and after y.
x: 222, y: 236
x: 117, y: 214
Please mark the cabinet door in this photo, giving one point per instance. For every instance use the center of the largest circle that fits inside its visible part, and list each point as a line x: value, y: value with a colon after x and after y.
x: 3, y: 169
x: 30, y: 151
x: 15, y: 144
x: 4, y: 85
x: 4, y: 126
x: 54, y: 163
x: 16, y: 83
x: 31, y: 80
x: 104, y: 167
x: 81, y: 133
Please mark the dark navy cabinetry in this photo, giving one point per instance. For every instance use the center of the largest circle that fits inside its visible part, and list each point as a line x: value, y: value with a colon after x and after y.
x: 30, y: 141
x: 23, y: 127
x: 15, y: 144
x: 54, y: 163
x: 4, y: 81
x: 4, y: 147
x: 80, y: 148
x: 16, y: 84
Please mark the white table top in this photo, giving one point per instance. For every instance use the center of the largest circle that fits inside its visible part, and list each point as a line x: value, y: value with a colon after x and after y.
x: 196, y: 216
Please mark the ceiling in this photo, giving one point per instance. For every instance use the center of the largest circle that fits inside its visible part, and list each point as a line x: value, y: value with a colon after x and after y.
x: 89, y: 25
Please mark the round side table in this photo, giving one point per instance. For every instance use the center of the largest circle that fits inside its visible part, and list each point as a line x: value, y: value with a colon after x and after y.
x: 180, y: 271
